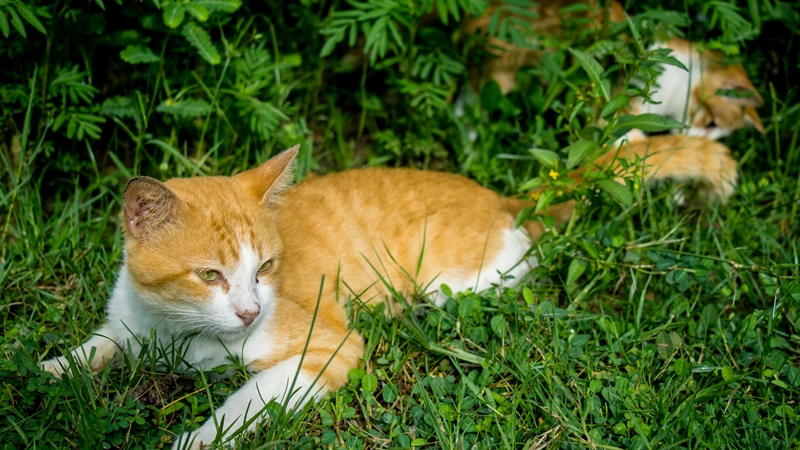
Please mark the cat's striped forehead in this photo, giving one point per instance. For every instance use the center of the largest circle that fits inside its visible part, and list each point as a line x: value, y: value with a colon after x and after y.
x: 223, y: 218
x: 235, y: 230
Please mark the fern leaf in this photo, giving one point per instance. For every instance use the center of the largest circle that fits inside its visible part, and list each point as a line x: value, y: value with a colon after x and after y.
x: 200, y: 39
x: 138, y: 54
x: 173, y: 15
x: 188, y: 108
x: 227, y: 6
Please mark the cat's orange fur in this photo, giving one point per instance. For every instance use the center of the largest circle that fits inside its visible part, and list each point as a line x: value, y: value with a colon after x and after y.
x: 413, y: 229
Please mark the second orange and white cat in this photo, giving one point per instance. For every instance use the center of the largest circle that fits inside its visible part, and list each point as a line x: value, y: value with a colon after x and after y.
x: 697, y: 97
x: 231, y: 266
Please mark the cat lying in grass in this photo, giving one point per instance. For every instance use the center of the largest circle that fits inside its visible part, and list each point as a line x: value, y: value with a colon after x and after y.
x: 235, y: 263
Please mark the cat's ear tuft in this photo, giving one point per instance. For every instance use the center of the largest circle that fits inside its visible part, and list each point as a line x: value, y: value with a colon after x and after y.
x: 272, y: 177
x: 148, y: 204
x: 751, y: 117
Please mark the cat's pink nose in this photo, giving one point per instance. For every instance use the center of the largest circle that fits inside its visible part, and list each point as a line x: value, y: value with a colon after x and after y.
x: 248, y: 315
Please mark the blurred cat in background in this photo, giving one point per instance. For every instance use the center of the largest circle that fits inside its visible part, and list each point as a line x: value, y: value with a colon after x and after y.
x: 713, y: 98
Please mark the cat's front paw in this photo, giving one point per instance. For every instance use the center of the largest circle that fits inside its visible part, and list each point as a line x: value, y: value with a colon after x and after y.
x: 56, y: 366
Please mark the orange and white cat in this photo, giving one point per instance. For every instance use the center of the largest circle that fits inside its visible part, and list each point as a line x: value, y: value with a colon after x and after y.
x: 223, y: 267
x: 690, y: 96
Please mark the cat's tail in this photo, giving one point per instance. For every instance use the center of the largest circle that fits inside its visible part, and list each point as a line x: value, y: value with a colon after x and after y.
x: 679, y: 158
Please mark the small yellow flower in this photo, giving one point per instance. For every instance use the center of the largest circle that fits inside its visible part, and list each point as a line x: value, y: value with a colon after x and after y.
x: 553, y: 174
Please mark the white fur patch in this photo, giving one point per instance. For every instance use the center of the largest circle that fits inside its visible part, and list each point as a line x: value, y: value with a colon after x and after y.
x: 675, y: 85
x: 497, y: 270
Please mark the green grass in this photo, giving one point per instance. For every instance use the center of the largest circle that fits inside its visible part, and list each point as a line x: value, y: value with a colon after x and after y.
x: 681, y: 332
x: 646, y: 326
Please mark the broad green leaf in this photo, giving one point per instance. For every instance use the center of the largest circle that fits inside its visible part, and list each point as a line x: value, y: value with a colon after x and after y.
x: 227, y: 6
x: 545, y: 200
x: 100, y: 4
x: 528, y: 296
x: 576, y: 269
x: 498, y: 324
x: 465, y: 306
x: 727, y: 373
x: 546, y: 158
x: 578, y: 151
x: 17, y: 22
x: 27, y: 14
x: 4, y: 25
x: 523, y: 216
x: 709, y: 314
x: 355, y: 375
x: 664, y: 345
x: 793, y: 375
x: 200, y: 39
x: 185, y: 108
x: 388, y: 393
x: 199, y: 12
x: 369, y: 383
x: 647, y: 122
x: 138, y: 54
x: 618, y: 191
x: 594, y: 70
x: 615, y: 105
x: 681, y: 367
x: 173, y: 15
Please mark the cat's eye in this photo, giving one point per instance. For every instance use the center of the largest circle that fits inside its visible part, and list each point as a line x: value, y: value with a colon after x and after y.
x: 265, y: 267
x: 209, y: 275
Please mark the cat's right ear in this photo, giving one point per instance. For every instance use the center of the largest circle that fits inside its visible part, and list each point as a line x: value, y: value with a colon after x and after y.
x: 272, y: 177
x: 148, y: 203
x: 751, y: 117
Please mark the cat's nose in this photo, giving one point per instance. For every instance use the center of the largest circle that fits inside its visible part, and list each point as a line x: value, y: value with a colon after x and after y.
x: 248, y: 315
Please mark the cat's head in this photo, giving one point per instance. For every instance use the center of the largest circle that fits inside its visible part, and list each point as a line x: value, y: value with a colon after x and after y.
x: 725, y: 99
x: 202, y: 253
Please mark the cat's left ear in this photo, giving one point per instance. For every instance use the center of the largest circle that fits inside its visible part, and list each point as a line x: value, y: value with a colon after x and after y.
x: 148, y: 204
x: 270, y: 178
x: 751, y: 117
